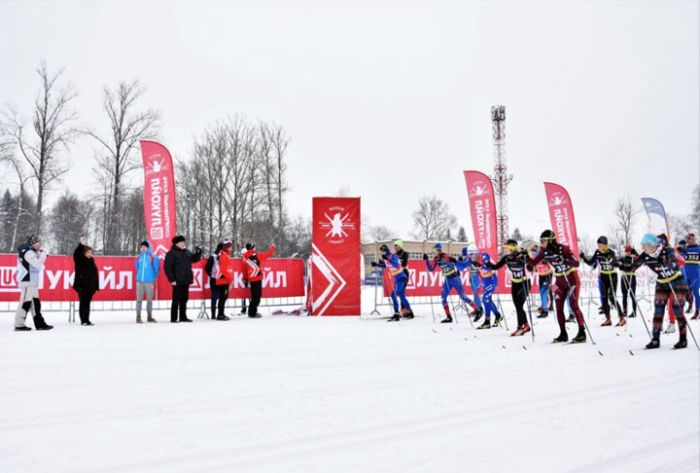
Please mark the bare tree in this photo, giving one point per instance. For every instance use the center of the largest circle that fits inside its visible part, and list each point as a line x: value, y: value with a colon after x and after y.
x: 381, y: 233
x: 53, y: 129
x: 118, y: 158
x: 626, y: 217
x: 695, y: 208
x: 22, y: 209
x: 432, y: 220
x: 462, y: 234
x: 69, y: 221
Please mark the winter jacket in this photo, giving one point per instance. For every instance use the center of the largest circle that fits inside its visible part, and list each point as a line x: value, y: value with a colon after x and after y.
x: 87, y: 279
x: 225, y: 276
x: 30, y: 264
x: 178, y: 265
x: 253, y: 262
x: 147, y: 266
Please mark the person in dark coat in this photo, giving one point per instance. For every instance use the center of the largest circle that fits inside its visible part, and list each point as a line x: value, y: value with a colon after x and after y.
x: 178, y: 270
x: 86, y: 282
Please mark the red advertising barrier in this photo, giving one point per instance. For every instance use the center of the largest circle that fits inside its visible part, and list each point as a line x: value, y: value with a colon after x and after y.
x: 158, y: 196
x: 422, y: 283
x: 335, y: 265
x: 283, y: 278
x: 482, y: 205
x: 561, y: 214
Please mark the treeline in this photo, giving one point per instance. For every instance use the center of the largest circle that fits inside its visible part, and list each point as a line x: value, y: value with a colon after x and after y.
x: 231, y: 184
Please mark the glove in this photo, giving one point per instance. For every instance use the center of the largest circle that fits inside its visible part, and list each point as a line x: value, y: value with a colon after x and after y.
x: 384, y: 257
x: 373, y: 264
x: 581, y: 255
x: 425, y: 257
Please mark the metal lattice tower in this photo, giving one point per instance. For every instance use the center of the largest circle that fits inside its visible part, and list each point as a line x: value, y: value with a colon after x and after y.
x: 500, y: 176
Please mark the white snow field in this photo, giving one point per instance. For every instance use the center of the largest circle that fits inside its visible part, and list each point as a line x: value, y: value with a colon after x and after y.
x: 303, y: 394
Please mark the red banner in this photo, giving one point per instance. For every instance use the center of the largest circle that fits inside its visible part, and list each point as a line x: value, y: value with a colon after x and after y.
x: 158, y: 196
x: 482, y: 204
x: 335, y: 273
x: 561, y: 214
x: 283, y: 278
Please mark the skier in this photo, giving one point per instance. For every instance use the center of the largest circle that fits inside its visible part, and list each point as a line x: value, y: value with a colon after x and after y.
x: 669, y: 282
x: 147, y: 269
x: 604, y: 258
x: 392, y: 263
x: 403, y: 259
x: 224, y: 278
x: 663, y: 241
x: 178, y: 270
x: 516, y: 261
x: 544, y: 281
x: 253, y: 262
x: 489, y: 283
x: 86, y: 282
x: 680, y: 250
x: 448, y: 266
x: 629, y: 280
x: 31, y: 259
x: 567, y: 283
x: 691, y: 254
x: 472, y: 252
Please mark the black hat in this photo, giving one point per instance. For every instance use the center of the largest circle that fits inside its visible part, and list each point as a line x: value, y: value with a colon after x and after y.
x: 548, y: 235
x: 144, y: 243
x: 32, y: 239
x: 178, y: 239
x: 249, y: 246
x: 602, y: 240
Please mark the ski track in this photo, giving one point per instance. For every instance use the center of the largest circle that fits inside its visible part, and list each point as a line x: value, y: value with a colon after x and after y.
x: 291, y: 394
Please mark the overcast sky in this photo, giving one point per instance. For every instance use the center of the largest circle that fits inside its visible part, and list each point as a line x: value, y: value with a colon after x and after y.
x: 392, y: 99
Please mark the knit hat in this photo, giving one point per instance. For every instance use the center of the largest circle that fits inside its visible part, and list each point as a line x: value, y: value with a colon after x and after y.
x: 145, y: 243
x: 548, y: 235
x: 398, y: 243
x: 249, y: 246
x: 602, y: 240
x: 178, y: 239
x: 33, y: 239
x: 628, y: 249
x: 438, y: 246
x: 226, y: 244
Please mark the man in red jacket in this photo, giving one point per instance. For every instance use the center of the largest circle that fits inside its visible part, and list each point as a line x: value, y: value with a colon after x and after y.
x: 253, y: 264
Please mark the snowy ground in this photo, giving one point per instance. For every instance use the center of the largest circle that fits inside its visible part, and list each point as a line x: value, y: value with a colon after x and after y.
x: 298, y: 394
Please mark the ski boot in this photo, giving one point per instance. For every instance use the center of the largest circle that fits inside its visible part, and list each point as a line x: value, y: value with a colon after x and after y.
x: 477, y: 314
x: 571, y: 319
x: 580, y: 336
x: 696, y: 316
x: 394, y: 318
x: 607, y: 322
x: 622, y: 322
x: 497, y: 320
x: 446, y: 320
x: 654, y: 343
x: 40, y: 323
x: 243, y: 310
x: 601, y: 311
x: 682, y: 343
x: 632, y: 315
x: 542, y: 314
x: 670, y: 329
x: 407, y: 313
x: 521, y: 331
x: 485, y: 325
x: 689, y: 309
x: 562, y: 338
x: 138, y: 319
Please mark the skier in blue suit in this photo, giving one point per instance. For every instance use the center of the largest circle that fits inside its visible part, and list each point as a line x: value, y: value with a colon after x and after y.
x: 450, y: 271
x: 391, y: 262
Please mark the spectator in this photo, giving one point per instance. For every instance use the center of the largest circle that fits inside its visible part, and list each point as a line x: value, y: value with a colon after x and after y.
x: 147, y: 269
x: 87, y: 281
x: 253, y: 262
x: 31, y: 262
x: 178, y: 269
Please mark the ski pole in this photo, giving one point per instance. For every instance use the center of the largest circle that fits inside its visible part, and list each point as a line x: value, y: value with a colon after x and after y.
x: 500, y: 307
x: 529, y: 311
x: 687, y: 325
x: 641, y: 315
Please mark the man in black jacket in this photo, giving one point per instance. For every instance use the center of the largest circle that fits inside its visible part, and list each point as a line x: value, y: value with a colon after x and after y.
x: 178, y: 269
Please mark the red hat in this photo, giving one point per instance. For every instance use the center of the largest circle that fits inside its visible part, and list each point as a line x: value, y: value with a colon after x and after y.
x: 628, y: 249
x: 690, y: 235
